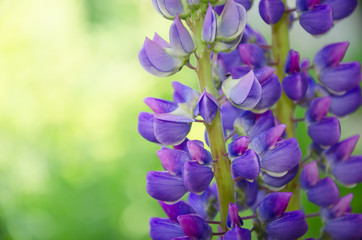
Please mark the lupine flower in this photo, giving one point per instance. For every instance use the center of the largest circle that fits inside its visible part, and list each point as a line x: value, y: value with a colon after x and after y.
x: 196, y: 177
x: 206, y: 204
x: 318, y: 20
x: 195, y: 227
x: 271, y: 10
x: 210, y: 26
x: 325, y: 193
x: 170, y: 8
x: 345, y: 227
x: 330, y: 55
x: 246, y: 166
x: 234, y: 222
x: 252, y: 55
x: 310, y: 175
x: 238, y: 146
x: 207, y: 107
x: 180, y: 39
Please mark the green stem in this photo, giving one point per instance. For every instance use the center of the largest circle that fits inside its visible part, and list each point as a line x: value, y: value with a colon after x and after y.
x: 222, y: 170
x: 285, y: 108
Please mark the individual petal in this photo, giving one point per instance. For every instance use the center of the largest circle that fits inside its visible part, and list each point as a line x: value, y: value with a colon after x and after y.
x: 260, y: 123
x: 228, y: 115
x: 343, y: 77
x: 197, y: 177
x: 317, y: 21
x: 239, y: 71
x: 273, y: 206
x: 277, y: 182
x: 170, y: 8
x: 264, y: 73
x: 347, y: 103
x: 209, y: 27
x: 160, y: 105
x: 207, y: 107
x: 157, y: 61
x: 195, y: 226
x: 250, y: 191
x: 342, y: 206
x: 165, y: 187
x: 330, y: 55
x: 292, y: 62
x: 230, y: 60
x: 267, y: 139
x: 325, y: 132
x: 271, y: 11
x: 318, y: 109
x: 246, y: 166
x: 233, y: 218
x: 341, y: 151
x: 164, y: 229
x: 348, y: 172
x: 295, y: 86
x: 206, y: 204
x: 271, y: 92
x: 180, y: 38
x: 238, y: 146
x: 173, y: 160
x: 146, y: 126
x: 238, y: 233
x: 341, y: 8
x: 252, y: 55
x: 177, y: 209
x: 232, y: 21
x: 346, y: 227
x: 164, y: 123
x: 184, y: 94
x: 283, y: 157
x: 291, y: 225
x: 198, y: 152
x: 309, y: 176
x: 325, y: 193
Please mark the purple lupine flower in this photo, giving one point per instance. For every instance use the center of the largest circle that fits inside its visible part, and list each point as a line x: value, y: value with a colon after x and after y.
x: 198, y: 152
x: 246, y: 166
x: 173, y: 160
x: 234, y: 221
x: 318, y: 109
x: 341, y: 151
x: 210, y: 26
x: 341, y: 207
x: 164, y: 229
x: 207, y: 107
x: 347, y: 226
x: 238, y: 233
x: 206, y: 204
x: 238, y: 146
x: 273, y: 206
x: 343, y: 105
x: 160, y: 105
x: 197, y: 177
x: 330, y: 55
x: 271, y: 10
x: 180, y: 38
x: 325, y: 193
x: 318, y: 20
x: 250, y: 192
x: 233, y: 218
x: 195, y: 227
x: 271, y: 92
x: 267, y: 139
x: 176, y: 209
x: 278, y: 182
x: 184, y: 94
x: 341, y: 8
x: 229, y: 113
x: 252, y: 55
x: 295, y: 86
x: 348, y: 172
x: 310, y: 175
x: 170, y: 8
x: 292, y: 62
x: 325, y: 132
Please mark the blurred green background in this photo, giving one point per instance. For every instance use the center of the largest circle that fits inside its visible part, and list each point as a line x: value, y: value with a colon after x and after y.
x: 72, y: 165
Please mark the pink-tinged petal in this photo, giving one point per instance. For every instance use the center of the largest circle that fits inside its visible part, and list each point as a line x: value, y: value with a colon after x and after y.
x: 233, y: 218
x: 198, y: 152
x: 341, y: 151
x: 310, y: 175
x: 238, y: 233
x: 342, y: 206
x: 318, y: 109
x: 246, y: 166
x: 195, y: 227
x: 267, y: 139
x: 176, y: 209
x: 173, y: 160
x: 159, y: 105
x: 330, y: 55
x: 292, y: 62
x: 261, y: 122
x: 164, y: 229
x: 348, y: 172
x: 197, y: 177
x: 325, y: 132
x: 273, y: 206
x: 264, y: 73
x: 271, y: 11
x: 325, y: 193
x: 317, y: 21
x: 346, y: 227
x: 238, y: 146
x: 165, y: 187
x: 146, y: 126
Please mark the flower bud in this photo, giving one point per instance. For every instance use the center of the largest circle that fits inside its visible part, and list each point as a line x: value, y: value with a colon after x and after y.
x: 292, y: 62
x: 233, y: 218
x: 180, y: 38
x: 318, y: 109
x: 271, y: 10
x: 198, y: 152
x: 246, y: 166
x: 295, y: 86
x: 310, y: 175
x: 209, y: 27
x: 207, y: 107
x: 325, y: 132
x: 317, y: 21
x: 341, y: 151
x: 238, y: 233
x: 342, y: 206
x: 170, y: 8
x: 197, y: 177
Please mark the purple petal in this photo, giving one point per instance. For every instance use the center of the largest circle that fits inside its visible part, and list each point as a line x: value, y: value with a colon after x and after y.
x: 170, y: 8
x: 252, y: 55
x: 246, y: 166
x: 177, y: 209
x: 155, y: 60
x: 198, y: 152
x: 324, y: 193
x: 341, y: 8
x: 318, y: 20
x: 325, y: 132
x: 232, y: 21
x: 304, y: 5
x: 228, y: 115
x: 159, y: 105
x: 239, y: 71
x: 280, y: 182
x: 341, y: 151
x: 330, y: 55
x: 230, y: 60
x: 261, y: 123
x: 197, y: 177
x: 264, y: 73
x: 182, y: 146
x: 233, y: 218
x: 291, y: 225
x: 250, y: 191
x: 345, y: 227
x: 273, y: 206
x: 310, y: 175
x: 283, y: 157
x: 160, y: 41
x: 342, y: 206
x: 205, y: 204
x: 343, y: 77
x: 271, y: 92
x: 195, y: 227
x: 238, y: 146
x: 348, y: 172
x: 180, y: 39
x: 295, y: 86
x: 207, y: 107
x: 164, y: 229
x: 209, y: 26
x: 183, y: 93
x: 146, y: 126
x: 271, y: 11
x: 238, y: 233
x: 165, y: 187
x: 173, y: 160
x: 318, y: 109
x: 292, y: 62
x: 347, y: 103
x: 267, y: 139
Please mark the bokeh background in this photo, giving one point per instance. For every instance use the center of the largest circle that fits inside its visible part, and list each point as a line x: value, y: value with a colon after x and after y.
x: 72, y: 165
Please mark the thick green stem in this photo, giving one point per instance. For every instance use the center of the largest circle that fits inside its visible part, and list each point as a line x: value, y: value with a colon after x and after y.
x: 222, y: 170
x: 285, y: 108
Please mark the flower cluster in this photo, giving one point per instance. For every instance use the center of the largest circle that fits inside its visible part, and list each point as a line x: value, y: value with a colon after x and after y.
x: 250, y: 158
